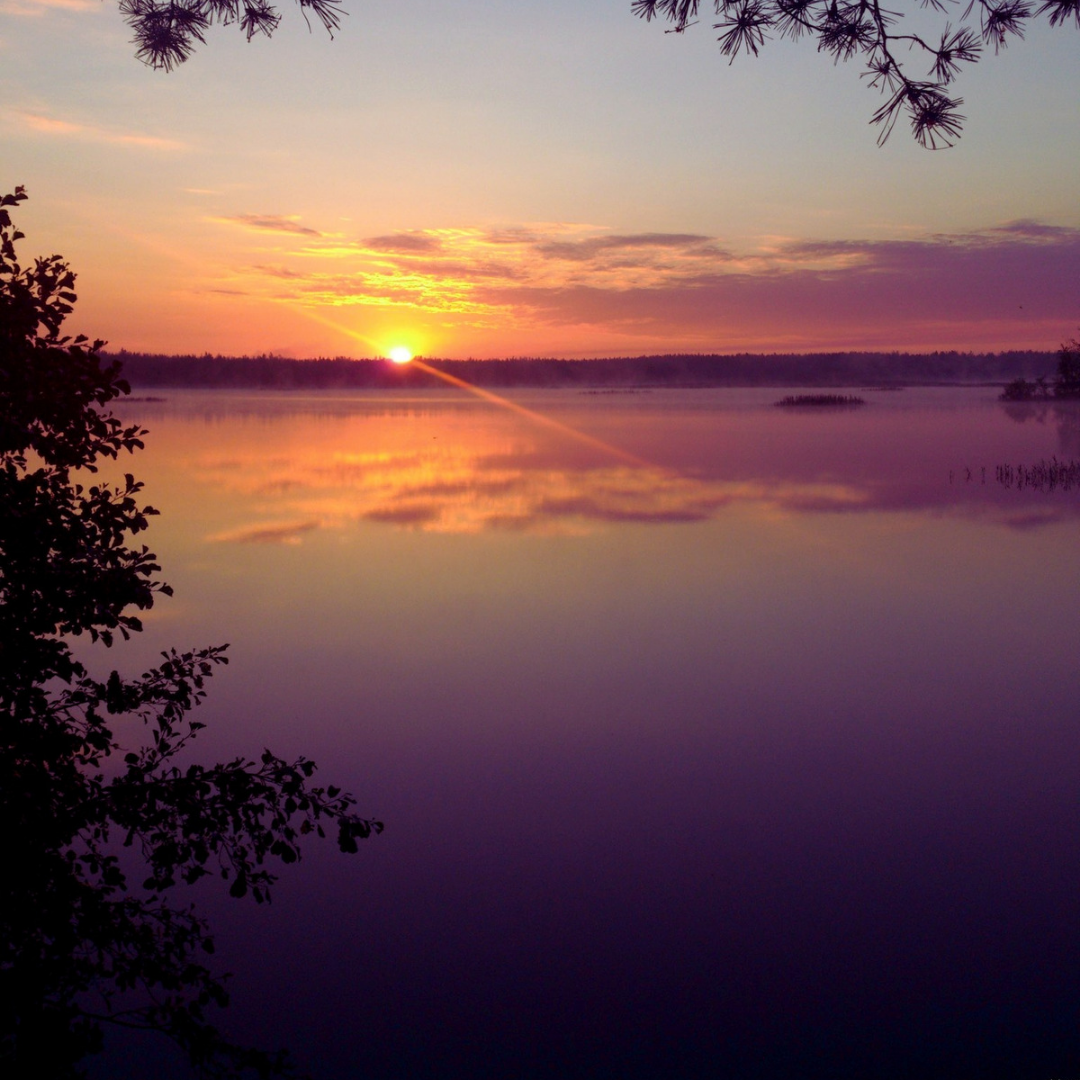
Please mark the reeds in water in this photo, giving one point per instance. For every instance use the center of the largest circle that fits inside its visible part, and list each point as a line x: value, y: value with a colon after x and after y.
x: 1052, y: 475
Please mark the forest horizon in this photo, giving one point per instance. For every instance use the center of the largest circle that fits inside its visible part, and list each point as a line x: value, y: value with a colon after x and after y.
x: 672, y: 370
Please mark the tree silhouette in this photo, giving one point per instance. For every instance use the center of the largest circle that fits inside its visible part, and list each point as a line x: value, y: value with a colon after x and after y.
x: 80, y: 946
x: 1067, y: 383
x: 167, y: 31
x: 844, y: 29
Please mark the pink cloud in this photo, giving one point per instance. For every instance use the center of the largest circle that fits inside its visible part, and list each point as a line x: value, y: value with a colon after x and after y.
x: 272, y: 223
x: 404, y: 243
x: 39, y: 7
x: 1009, y: 286
x: 581, y: 250
x: 946, y: 291
x: 49, y: 125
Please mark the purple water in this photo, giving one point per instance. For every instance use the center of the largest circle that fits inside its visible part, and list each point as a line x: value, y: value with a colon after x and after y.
x: 746, y: 747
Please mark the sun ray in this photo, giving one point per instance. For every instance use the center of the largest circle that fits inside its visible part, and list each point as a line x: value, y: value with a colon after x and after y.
x: 496, y: 399
x: 535, y: 417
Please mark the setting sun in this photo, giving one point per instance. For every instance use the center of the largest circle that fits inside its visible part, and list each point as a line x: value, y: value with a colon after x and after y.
x: 400, y: 355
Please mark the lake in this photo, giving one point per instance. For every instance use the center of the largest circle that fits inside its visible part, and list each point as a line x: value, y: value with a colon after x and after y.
x: 712, y: 739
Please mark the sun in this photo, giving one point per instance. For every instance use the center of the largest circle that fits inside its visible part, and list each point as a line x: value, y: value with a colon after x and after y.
x: 400, y: 355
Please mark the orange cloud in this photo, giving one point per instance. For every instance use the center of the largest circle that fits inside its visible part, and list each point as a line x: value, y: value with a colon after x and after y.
x: 284, y: 532
x: 271, y: 223
x: 404, y: 243
x: 49, y: 125
x: 40, y: 7
x: 1006, y: 286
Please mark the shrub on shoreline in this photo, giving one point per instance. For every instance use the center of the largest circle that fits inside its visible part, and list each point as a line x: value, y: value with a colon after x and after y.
x: 1066, y: 383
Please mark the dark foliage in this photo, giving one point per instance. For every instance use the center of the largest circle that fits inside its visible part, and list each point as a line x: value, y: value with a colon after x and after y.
x: 167, y: 31
x: 677, y: 370
x: 1052, y: 475
x: 845, y: 29
x: 1026, y: 390
x: 1066, y: 384
x: 80, y: 945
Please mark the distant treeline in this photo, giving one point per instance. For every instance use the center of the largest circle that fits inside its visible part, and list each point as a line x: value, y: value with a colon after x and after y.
x: 677, y: 370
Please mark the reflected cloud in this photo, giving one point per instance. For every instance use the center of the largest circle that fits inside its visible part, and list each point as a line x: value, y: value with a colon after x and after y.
x: 441, y: 467
x: 589, y: 508
x: 1037, y: 519
x: 462, y: 490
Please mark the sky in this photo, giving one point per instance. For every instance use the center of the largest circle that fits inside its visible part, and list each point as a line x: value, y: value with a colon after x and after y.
x: 489, y: 178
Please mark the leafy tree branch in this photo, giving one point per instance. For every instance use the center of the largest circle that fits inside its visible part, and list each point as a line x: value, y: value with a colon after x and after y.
x: 80, y: 945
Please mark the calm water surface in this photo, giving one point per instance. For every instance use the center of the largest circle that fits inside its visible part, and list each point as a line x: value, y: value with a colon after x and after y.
x: 712, y: 739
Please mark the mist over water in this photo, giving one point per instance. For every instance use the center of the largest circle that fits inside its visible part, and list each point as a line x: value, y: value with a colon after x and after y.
x: 745, y: 748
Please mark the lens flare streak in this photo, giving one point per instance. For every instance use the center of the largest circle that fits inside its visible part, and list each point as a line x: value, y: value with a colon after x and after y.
x: 535, y: 417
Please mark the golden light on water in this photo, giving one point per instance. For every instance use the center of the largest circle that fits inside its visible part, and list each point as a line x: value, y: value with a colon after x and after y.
x: 401, y: 354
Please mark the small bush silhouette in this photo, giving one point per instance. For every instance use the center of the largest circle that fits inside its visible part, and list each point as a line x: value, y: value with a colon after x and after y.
x: 1066, y: 383
x: 82, y: 944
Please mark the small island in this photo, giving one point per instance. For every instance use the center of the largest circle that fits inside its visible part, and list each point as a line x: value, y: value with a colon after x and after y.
x: 1066, y: 383
x: 818, y: 401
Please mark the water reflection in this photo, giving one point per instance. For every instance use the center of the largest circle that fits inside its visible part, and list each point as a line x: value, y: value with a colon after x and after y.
x: 442, y: 466
x: 1062, y: 415
x: 756, y: 761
